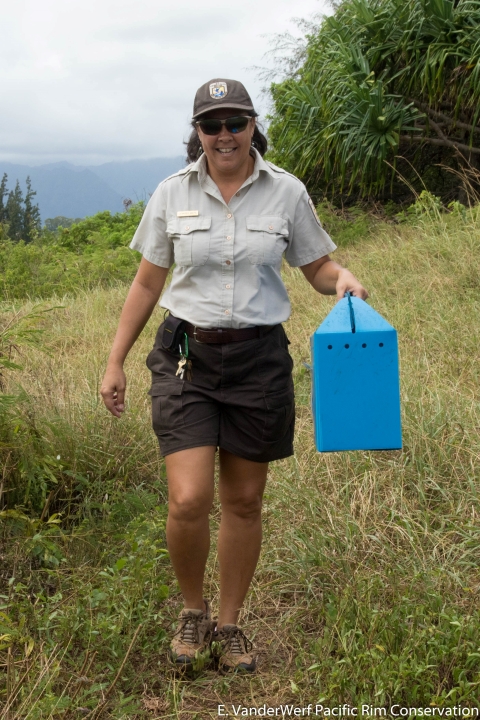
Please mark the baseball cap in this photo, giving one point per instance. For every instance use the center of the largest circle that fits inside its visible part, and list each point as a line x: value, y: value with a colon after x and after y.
x: 218, y: 93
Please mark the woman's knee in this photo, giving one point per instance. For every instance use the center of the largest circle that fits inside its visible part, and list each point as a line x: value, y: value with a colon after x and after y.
x: 188, y: 507
x: 247, y: 507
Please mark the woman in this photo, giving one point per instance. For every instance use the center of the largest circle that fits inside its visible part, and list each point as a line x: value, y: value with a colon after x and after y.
x: 221, y: 371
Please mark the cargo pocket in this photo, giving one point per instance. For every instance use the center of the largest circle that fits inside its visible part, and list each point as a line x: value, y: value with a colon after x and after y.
x: 267, y: 238
x: 191, y: 240
x: 279, y: 415
x: 167, y: 405
x: 279, y: 343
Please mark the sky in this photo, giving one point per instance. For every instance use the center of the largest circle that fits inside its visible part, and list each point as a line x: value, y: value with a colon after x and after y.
x: 92, y: 81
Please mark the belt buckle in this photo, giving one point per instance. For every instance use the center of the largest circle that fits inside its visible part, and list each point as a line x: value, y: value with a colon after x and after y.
x: 195, y: 335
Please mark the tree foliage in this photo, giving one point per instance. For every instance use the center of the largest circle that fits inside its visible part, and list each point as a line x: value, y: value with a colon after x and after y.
x: 91, y: 252
x: 382, y: 78
x: 19, y: 216
x: 53, y: 224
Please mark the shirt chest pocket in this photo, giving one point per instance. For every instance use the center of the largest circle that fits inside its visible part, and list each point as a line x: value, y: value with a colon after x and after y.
x: 191, y: 239
x: 267, y: 238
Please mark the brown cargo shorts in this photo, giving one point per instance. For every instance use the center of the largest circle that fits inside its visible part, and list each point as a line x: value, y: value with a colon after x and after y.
x: 240, y: 397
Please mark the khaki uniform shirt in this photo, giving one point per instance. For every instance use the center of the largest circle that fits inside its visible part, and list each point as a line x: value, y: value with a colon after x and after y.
x: 228, y: 257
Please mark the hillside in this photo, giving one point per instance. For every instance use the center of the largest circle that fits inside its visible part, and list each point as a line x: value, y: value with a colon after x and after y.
x: 91, y: 253
x: 137, y: 179
x: 65, y: 191
x: 75, y: 191
x: 367, y: 586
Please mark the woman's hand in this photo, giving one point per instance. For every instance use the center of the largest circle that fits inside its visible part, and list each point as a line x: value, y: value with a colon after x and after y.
x: 348, y: 282
x: 113, y: 389
x: 329, y: 278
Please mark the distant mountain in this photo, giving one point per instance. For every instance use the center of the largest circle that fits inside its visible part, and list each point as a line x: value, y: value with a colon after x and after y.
x: 137, y: 179
x: 64, y: 191
x: 75, y: 191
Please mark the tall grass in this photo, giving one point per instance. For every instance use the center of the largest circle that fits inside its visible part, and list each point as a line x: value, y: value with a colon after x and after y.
x: 367, y: 587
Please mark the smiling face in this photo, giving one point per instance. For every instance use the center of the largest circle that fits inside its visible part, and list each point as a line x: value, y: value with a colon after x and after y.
x: 228, y: 154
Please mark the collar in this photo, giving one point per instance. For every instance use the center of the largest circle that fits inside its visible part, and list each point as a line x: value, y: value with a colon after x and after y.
x: 200, y: 167
x: 261, y: 166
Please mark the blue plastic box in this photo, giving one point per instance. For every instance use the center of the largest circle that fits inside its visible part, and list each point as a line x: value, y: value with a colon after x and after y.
x: 355, y: 380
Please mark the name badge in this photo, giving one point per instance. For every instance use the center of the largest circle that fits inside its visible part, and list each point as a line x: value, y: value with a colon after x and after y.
x: 187, y: 213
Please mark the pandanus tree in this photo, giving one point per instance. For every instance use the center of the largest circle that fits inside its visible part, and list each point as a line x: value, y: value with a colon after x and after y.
x: 382, y: 79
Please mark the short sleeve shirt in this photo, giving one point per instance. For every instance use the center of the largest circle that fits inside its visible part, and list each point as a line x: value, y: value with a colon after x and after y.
x: 228, y: 256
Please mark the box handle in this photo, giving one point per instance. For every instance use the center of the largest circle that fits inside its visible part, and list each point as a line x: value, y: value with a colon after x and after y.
x: 348, y: 295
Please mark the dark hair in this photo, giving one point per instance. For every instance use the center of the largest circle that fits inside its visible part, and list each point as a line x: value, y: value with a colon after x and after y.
x: 194, y: 148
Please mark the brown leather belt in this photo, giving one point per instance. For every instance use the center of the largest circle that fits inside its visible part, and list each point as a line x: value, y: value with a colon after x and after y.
x: 226, y: 335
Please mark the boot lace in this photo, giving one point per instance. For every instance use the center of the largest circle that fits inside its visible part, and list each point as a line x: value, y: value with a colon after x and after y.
x: 237, y: 642
x: 188, y: 630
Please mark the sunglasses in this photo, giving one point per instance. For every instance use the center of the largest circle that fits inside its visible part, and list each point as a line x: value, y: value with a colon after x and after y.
x: 234, y: 125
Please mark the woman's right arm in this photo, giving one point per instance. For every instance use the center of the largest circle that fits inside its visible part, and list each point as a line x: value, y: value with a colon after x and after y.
x: 141, y: 300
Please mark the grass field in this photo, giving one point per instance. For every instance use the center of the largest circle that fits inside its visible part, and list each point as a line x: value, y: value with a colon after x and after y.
x: 367, y: 587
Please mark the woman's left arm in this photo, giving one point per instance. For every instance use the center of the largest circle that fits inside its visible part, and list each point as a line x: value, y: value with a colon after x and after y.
x: 330, y: 278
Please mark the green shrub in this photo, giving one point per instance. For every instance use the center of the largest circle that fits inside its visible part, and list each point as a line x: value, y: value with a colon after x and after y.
x: 93, y: 252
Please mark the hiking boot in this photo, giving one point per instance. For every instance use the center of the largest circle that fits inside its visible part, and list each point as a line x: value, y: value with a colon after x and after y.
x: 190, y: 646
x: 233, y: 650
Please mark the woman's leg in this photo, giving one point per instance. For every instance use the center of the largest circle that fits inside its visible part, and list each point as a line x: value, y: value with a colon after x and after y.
x: 190, y: 475
x: 241, y: 487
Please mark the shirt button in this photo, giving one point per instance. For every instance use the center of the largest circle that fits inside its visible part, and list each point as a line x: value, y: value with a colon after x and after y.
x: 229, y: 237
x: 227, y: 262
x: 228, y: 287
x: 227, y: 312
x: 229, y: 216
x: 270, y: 227
x: 237, y: 194
x: 187, y: 227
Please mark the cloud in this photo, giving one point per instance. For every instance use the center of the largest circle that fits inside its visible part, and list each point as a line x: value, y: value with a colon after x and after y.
x: 98, y: 80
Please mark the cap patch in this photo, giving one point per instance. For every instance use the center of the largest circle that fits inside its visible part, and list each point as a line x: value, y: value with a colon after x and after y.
x: 218, y: 90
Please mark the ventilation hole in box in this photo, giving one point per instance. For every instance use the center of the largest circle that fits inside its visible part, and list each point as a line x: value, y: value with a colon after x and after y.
x: 364, y: 344
x: 330, y: 347
x: 380, y: 344
x: 347, y: 346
